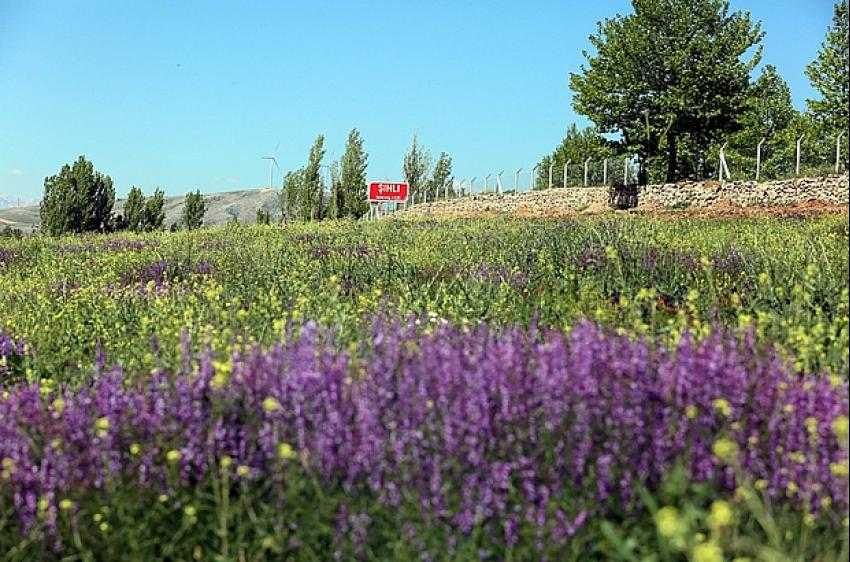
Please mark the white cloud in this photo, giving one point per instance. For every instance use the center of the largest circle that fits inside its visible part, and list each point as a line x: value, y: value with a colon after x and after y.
x: 16, y: 172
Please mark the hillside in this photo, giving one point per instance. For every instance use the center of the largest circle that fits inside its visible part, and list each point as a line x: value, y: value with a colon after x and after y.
x: 220, y: 207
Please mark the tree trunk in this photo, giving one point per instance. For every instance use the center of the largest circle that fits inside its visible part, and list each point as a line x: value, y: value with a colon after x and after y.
x: 672, y: 157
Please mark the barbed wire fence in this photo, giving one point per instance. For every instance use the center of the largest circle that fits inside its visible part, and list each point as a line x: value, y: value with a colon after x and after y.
x: 766, y: 161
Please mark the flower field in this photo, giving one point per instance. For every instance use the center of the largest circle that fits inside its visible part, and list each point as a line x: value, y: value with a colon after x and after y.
x: 631, y: 389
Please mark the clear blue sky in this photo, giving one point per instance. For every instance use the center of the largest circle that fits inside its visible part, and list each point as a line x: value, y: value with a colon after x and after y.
x: 191, y: 94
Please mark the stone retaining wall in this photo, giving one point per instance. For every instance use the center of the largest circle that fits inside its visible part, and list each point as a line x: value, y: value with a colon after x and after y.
x: 829, y: 190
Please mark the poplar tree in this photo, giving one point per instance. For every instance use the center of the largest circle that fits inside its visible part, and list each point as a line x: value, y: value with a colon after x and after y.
x: 153, y: 217
x: 194, y: 210
x: 134, y: 209
x: 417, y: 163
x: 352, y: 178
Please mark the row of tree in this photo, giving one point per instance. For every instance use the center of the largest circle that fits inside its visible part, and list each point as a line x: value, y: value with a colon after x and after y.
x: 81, y: 199
x: 308, y: 195
x: 671, y: 83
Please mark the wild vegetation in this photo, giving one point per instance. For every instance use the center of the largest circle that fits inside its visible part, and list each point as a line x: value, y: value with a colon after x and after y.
x: 613, y: 388
x: 450, y: 390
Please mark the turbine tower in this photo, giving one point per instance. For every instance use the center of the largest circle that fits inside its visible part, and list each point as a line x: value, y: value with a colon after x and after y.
x: 272, y: 165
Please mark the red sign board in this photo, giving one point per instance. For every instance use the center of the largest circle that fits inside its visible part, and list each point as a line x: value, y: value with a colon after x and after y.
x: 388, y: 191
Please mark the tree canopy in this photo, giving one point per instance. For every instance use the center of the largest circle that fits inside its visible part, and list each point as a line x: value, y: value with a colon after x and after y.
x: 77, y: 199
x: 672, y: 75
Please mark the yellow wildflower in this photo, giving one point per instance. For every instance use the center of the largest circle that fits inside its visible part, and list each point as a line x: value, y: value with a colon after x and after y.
x: 668, y: 523
x: 841, y: 427
x: 725, y: 449
x: 173, y: 456
x: 66, y: 505
x: 721, y: 514
x: 811, y: 424
x: 840, y: 468
x: 707, y: 552
x: 135, y: 449
x: 270, y: 404
x: 797, y: 457
x: 225, y: 462
x: 101, y: 425
x: 58, y: 406
x: 243, y: 470
x: 722, y: 406
x: 691, y: 412
x: 285, y: 451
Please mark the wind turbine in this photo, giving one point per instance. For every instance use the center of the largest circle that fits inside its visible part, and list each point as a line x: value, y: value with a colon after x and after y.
x: 272, y: 165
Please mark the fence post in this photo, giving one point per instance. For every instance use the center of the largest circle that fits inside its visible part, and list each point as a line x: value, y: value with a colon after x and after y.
x: 838, y: 152
x: 626, y: 170
x: 566, y: 169
x: 516, y: 180
x: 533, y: 177
x: 499, y: 181
x: 799, y: 142
x: 551, y: 167
x: 586, y: 165
x: 487, y: 182
x: 758, y: 158
x: 605, y: 172
x: 723, y: 167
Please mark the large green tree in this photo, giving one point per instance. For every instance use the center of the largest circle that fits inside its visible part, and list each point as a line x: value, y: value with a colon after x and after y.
x: 77, y: 199
x: 670, y: 75
x: 351, y: 194
x: 829, y: 75
x: 417, y: 164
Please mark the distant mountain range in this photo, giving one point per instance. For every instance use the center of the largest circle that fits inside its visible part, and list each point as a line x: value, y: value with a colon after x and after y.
x: 221, y: 207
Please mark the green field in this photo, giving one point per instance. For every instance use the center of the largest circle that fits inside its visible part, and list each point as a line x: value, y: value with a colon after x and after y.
x: 212, y: 387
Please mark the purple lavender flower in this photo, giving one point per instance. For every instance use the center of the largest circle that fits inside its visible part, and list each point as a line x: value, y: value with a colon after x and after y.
x: 486, y: 427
